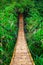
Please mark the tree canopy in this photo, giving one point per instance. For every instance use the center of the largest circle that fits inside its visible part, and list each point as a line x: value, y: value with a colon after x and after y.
x: 32, y: 11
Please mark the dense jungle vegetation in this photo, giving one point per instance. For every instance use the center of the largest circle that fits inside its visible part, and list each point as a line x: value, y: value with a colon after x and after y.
x: 34, y: 31
x: 33, y: 27
x: 8, y: 31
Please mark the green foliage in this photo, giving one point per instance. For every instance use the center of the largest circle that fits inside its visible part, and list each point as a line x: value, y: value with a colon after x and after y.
x: 34, y: 31
x: 33, y: 10
x: 8, y: 33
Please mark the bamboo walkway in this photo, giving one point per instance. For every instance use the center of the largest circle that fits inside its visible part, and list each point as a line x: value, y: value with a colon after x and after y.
x: 21, y: 55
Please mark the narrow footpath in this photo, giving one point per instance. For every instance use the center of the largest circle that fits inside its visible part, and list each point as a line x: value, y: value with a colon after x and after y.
x: 21, y: 55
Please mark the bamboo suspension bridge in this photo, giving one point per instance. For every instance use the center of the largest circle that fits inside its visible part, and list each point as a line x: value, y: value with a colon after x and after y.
x: 21, y: 54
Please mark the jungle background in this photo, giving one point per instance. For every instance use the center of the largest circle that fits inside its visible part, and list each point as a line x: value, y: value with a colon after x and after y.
x: 32, y: 11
